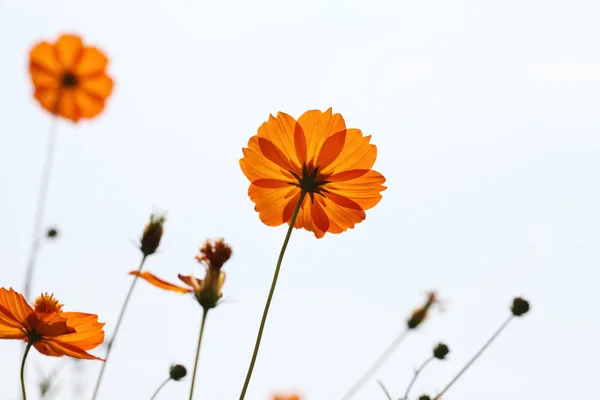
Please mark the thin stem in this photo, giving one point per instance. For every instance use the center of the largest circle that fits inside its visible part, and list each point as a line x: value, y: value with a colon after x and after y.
x: 476, y: 356
x: 38, y: 222
x: 414, y: 378
x: 270, y: 297
x: 114, y: 336
x: 27, y: 348
x: 387, y: 394
x: 162, y: 385
x: 384, y: 356
x: 198, y: 351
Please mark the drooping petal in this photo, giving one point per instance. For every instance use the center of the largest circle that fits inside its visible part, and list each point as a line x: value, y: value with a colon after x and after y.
x: 364, y: 190
x: 15, y: 305
x: 56, y: 348
x: 159, y: 283
x: 189, y: 280
x: 89, y: 333
x: 280, y: 132
x: 318, y: 126
x: 357, y: 153
x: 42, y: 56
x: 69, y: 49
x: 10, y: 328
x: 92, y: 61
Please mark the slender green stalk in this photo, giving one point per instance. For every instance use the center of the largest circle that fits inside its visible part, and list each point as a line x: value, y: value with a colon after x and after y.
x: 414, y: 378
x: 387, y: 394
x: 27, y: 348
x: 376, y: 365
x: 38, y: 222
x: 162, y: 385
x: 475, y: 357
x: 198, y: 351
x: 118, y: 325
x: 270, y: 297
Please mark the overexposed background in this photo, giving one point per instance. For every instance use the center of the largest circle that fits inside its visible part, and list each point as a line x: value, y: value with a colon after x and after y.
x: 486, y: 117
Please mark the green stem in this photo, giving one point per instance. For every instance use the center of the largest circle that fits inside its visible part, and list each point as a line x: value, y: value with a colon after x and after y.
x: 198, y: 351
x: 27, y: 348
x: 270, y: 297
x: 114, y: 336
x: 414, y: 378
x: 38, y: 222
x: 476, y: 356
x: 387, y: 394
x: 376, y: 365
x: 162, y: 385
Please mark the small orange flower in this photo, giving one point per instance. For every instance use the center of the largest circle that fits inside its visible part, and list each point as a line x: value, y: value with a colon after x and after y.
x: 213, y: 254
x: 316, y: 155
x: 294, y: 397
x: 69, y: 78
x: 52, y: 331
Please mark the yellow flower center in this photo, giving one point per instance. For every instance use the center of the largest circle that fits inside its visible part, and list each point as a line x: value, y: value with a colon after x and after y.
x: 46, y: 303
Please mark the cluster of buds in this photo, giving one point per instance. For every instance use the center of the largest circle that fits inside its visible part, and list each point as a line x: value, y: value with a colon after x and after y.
x: 213, y: 254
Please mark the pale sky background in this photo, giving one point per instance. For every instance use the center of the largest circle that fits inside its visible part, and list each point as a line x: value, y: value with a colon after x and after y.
x: 486, y: 117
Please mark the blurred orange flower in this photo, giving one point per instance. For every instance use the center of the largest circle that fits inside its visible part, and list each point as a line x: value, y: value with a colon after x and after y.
x: 317, y: 155
x: 286, y: 397
x: 213, y: 254
x: 52, y: 331
x: 70, y: 78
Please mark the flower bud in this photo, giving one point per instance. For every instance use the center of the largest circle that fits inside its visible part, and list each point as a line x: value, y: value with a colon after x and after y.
x: 419, y: 314
x: 424, y: 397
x: 441, y: 351
x: 520, y: 306
x: 152, y: 234
x: 177, y: 372
x: 52, y: 233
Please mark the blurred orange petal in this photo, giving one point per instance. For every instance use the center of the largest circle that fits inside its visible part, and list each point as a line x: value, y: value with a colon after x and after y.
x: 159, y: 283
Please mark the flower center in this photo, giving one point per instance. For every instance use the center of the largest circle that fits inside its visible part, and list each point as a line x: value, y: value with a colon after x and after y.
x: 46, y: 303
x: 310, y: 182
x: 68, y: 80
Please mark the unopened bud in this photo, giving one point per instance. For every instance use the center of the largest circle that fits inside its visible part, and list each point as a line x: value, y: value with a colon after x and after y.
x: 520, y: 306
x: 441, y: 351
x: 52, y: 233
x: 177, y: 372
x: 424, y: 397
x: 152, y: 234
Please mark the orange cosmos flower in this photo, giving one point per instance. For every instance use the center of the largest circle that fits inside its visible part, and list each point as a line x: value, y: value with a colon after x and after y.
x: 52, y: 331
x: 317, y: 155
x: 208, y: 292
x: 286, y: 397
x: 69, y: 78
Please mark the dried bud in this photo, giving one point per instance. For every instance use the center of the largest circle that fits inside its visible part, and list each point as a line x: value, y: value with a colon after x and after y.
x: 152, y: 234
x: 177, y: 372
x: 419, y: 314
x: 424, y: 397
x: 208, y: 291
x: 52, y: 233
x: 214, y: 253
x: 519, y: 307
x: 441, y: 351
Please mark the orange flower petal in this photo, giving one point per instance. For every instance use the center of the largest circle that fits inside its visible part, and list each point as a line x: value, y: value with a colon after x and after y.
x: 88, y: 105
x: 365, y: 190
x: 69, y: 49
x: 317, y: 127
x: 57, y: 349
x: 15, y: 305
x: 100, y: 86
x: 67, y: 108
x: 255, y: 166
x: 280, y: 132
x: 270, y: 203
x: 49, y: 325
x: 270, y: 183
x: 159, y: 283
x: 91, y: 61
x: 89, y: 333
x: 331, y: 149
x: 288, y: 210
x: 42, y: 56
x: 48, y: 98
x: 347, y: 175
x: 319, y: 216
x: 275, y: 155
x: 357, y: 153
x: 44, y: 79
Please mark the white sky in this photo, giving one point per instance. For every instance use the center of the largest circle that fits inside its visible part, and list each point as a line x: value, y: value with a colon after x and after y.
x: 486, y: 119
